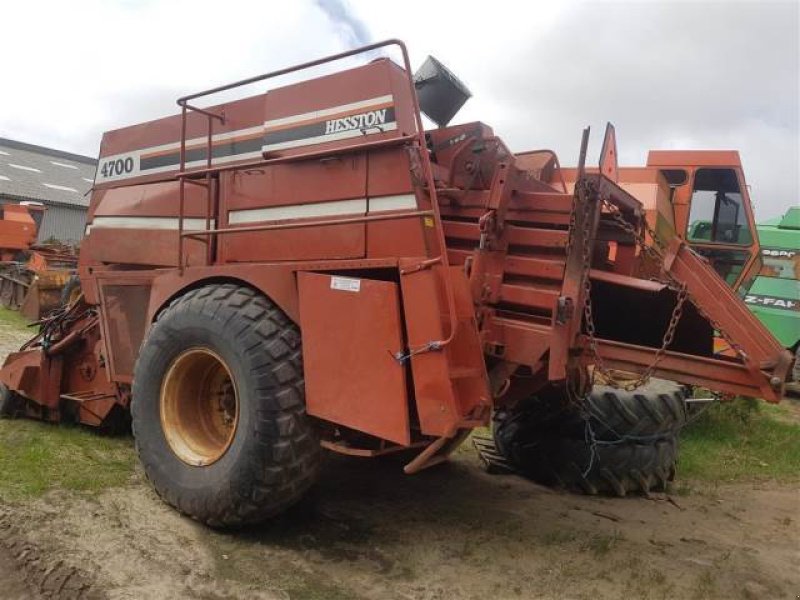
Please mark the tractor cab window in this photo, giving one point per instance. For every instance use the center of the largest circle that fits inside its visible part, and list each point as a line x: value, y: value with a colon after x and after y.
x: 718, y: 214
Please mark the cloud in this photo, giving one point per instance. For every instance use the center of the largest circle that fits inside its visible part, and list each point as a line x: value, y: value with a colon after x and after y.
x: 95, y: 65
x: 699, y: 75
x: 668, y: 74
x: 354, y: 29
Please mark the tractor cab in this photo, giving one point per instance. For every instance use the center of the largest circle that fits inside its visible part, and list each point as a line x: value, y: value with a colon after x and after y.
x: 700, y: 195
x: 712, y: 209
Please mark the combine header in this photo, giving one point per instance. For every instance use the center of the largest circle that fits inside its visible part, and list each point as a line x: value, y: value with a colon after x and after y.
x: 310, y: 268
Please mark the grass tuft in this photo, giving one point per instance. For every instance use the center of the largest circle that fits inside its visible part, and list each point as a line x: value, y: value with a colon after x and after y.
x: 741, y: 440
x: 13, y: 318
x: 37, y: 457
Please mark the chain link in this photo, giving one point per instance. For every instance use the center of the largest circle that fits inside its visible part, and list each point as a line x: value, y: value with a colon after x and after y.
x: 656, y: 252
x: 677, y: 312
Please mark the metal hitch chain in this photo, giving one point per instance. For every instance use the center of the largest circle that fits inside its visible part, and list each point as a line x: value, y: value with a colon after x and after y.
x: 677, y: 311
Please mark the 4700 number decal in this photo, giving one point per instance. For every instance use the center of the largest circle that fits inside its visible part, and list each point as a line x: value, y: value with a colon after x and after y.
x: 120, y: 166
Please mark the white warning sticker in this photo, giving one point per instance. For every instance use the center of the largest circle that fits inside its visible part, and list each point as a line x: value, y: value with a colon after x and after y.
x: 345, y: 284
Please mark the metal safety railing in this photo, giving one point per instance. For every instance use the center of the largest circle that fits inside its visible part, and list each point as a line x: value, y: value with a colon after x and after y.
x: 192, y: 177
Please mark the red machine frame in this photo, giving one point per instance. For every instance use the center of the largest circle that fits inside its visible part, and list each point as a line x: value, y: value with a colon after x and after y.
x: 491, y: 269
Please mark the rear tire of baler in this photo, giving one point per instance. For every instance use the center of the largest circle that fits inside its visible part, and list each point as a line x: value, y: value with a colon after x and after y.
x: 271, y: 457
x: 10, y: 403
x: 615, y: 469
x: 650, y: 411
x: 656, y: 408
x: 637, y: 435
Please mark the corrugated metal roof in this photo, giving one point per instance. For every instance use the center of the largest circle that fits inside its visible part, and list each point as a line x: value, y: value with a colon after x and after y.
x: 29, y: 172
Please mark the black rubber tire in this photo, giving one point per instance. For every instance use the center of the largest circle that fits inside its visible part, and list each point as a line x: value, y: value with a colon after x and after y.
x: 656, y: 408
x: 650, y: 411
x: 615, y: 469
x: 636, y: 431
x: 274, y: 455
x: 10, y: 403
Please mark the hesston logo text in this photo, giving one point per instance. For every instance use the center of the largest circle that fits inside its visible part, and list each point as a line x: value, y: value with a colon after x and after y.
x: 373, y: 118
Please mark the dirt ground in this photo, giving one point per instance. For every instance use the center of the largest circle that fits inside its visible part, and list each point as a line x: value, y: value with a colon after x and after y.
x: 368, y: 531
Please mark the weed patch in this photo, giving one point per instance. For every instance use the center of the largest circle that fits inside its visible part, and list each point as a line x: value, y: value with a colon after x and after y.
x: 741, y: 440
x: 37, y: 457
x: 12, y: 319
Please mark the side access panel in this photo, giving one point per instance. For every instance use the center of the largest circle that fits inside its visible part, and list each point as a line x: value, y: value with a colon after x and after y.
x: 351, y: 331
x: 450, y: 385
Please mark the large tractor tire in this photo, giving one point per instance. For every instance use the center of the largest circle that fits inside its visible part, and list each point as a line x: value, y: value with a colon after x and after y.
x: 10, y: 403
x: 611, y: 468
x: 634, y: 447
x: 218, y: 408
x: 656, y: 408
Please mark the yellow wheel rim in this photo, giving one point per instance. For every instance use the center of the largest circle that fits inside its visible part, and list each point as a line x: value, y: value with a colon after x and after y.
x: 199, y: 407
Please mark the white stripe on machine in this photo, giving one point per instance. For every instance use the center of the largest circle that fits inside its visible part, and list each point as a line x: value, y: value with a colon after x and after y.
x: 398, y: 202
x: 162, y: 223
x: 358, y: 206
x: 128, y: 164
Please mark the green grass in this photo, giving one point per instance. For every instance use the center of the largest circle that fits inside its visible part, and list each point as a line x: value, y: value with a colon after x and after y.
x: 12, y: 318
x: 37, y: 457
x: 740, y: 441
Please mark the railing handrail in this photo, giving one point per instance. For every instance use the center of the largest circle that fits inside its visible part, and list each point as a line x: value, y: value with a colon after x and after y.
x: 183, y: 102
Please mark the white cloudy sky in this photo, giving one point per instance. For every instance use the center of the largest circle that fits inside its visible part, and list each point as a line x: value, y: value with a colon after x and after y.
x: 669, y: 74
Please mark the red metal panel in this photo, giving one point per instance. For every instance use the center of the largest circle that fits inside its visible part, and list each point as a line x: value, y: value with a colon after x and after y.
x: 718, y: 374
x: 389, y: 175
x: 423, y: 307
x: 465, y: 355
x: 293, y: 186
x: 351, y: 330
x: 528, y: 296
x: 149, y: 247
x: 517, y: 236
x: 519, y: 342
x: 124, y: 311
x: 528, y: 266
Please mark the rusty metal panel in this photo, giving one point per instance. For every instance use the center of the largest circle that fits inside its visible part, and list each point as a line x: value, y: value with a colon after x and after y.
x: 423, y: 307
x: 465, y: 354
x: 291, y: 192
x: 125, y: 315
x: 351, y: 330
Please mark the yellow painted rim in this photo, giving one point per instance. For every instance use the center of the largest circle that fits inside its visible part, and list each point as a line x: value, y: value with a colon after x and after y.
x: 199, y: 407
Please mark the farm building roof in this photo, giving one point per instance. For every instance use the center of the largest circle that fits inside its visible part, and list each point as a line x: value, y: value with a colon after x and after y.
x: 29, y: 172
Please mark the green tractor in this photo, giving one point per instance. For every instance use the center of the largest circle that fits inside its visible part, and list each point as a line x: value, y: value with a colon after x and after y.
x: 774, y: 295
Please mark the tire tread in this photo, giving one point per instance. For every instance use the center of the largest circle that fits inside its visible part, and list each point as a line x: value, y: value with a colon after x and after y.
x: 281, y: 474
